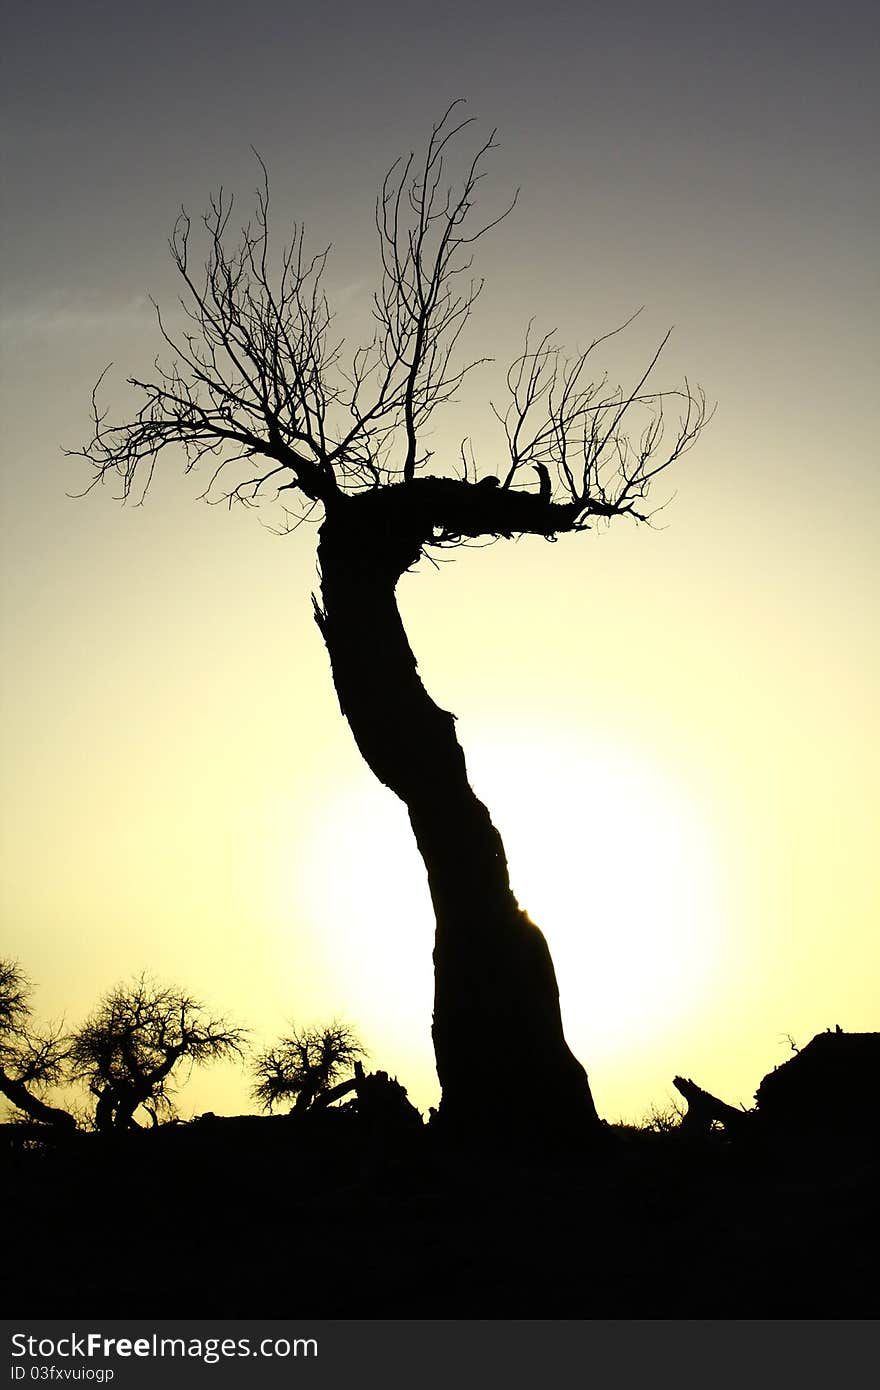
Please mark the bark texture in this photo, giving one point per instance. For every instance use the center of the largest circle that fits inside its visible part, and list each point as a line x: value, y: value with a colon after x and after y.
x: 496, y: 998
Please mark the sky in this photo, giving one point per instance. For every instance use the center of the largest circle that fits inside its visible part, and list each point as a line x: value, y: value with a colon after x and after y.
x: 674, y: 726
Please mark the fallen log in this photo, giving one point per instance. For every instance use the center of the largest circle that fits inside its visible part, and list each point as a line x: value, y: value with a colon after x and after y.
x: 828, y: 1088
x: 383, y: 1103
x: 704, y: 1110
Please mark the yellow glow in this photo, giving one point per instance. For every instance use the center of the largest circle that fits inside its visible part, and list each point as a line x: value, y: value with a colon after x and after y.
x: 607, y: 854
x: 617, y: 866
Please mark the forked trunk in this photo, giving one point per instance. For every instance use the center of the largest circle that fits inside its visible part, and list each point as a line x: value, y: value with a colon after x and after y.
x: 496, y: 1001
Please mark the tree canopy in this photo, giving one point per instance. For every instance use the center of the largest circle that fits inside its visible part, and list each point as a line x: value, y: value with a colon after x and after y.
x: 31, y: 1059
x: 304, y: 1066
x: 256, y: 385
x: 129, y: 1048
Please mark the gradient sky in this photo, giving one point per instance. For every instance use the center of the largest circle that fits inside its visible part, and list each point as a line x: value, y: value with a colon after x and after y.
x: 675, y: 728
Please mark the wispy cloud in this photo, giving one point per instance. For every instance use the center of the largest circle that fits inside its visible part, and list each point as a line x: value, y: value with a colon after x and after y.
x: 66, y: 311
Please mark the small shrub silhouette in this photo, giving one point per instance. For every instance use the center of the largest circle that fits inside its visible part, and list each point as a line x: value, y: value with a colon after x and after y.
x: 305, y: 1067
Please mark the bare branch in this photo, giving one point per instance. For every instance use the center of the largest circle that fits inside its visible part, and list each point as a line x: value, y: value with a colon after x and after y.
x: 304, y: 1065
x: 140, y: 1033
x: 255, y: 386
x: 561, y: 422
x: 30, y: 1059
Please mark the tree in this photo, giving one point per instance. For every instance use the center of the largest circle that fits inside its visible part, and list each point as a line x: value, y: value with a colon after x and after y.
x: 140, y: 1033
x: 305, y: 1067
x: 30, y: 1060
x: 256, y: 386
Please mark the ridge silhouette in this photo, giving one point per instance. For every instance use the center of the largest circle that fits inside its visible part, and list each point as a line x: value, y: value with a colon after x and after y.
x: 350, y: 1205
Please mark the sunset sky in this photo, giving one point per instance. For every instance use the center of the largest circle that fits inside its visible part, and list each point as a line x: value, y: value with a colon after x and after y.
x: 674, y: 727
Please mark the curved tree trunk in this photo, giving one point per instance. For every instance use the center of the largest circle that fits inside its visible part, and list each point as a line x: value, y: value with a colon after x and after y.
x: 31, y: 1105
x: 496, y: 1001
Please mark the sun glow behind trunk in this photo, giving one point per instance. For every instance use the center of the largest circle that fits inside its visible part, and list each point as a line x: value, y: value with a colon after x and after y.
x: 612, y: 856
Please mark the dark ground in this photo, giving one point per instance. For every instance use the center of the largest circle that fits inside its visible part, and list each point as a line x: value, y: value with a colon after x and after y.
x: 254, y: 1218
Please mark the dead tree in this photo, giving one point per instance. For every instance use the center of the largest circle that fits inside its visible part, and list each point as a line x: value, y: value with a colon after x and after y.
x: 256, y: 386
x: 304, y: 1068
x: 127, y: 1052
x: 30, y: 1060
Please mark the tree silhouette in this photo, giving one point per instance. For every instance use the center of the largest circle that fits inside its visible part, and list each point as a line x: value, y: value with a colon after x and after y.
x: 30, y: 1060
x: 304, y: 1067
x: 256, y: 386
x: 140, y: 1033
